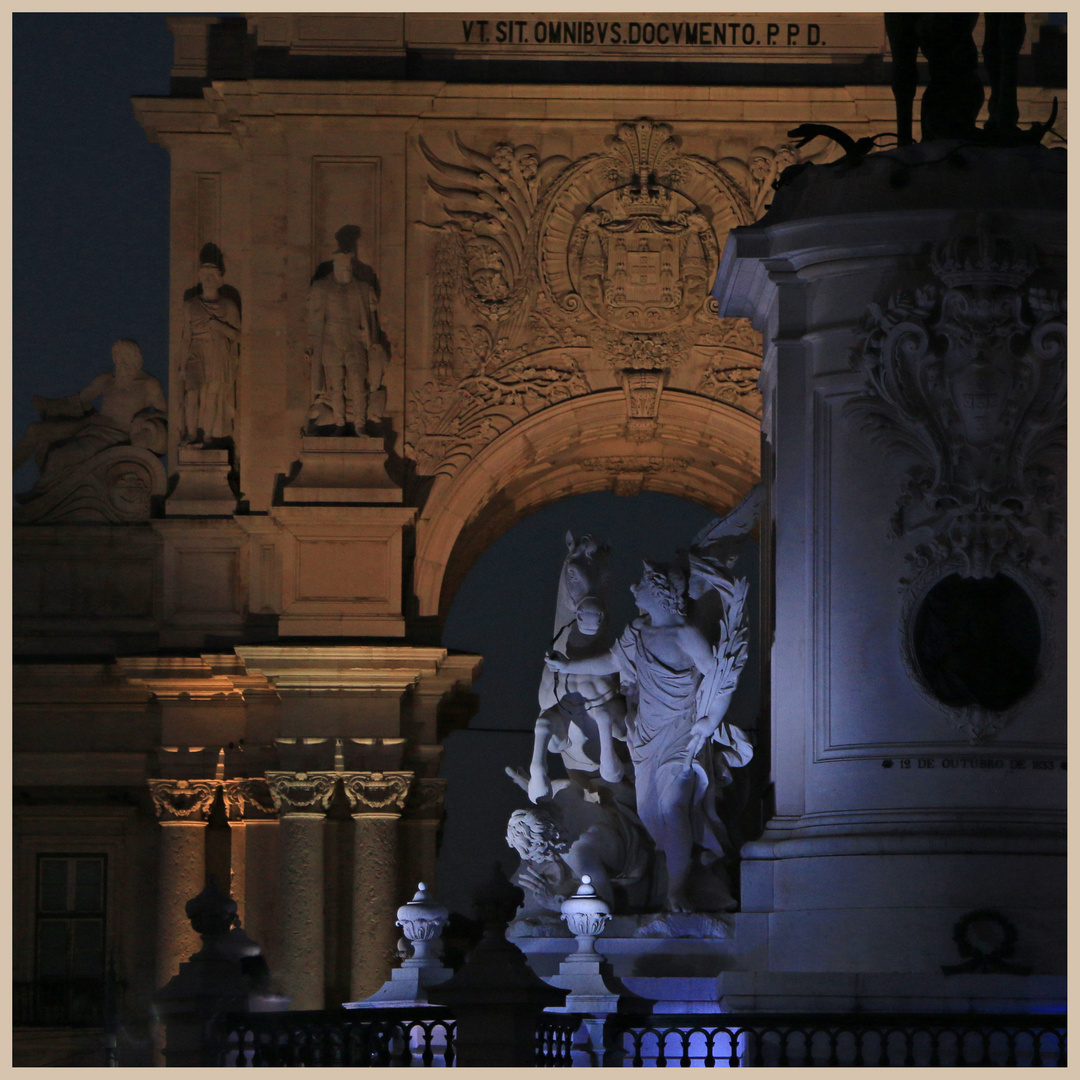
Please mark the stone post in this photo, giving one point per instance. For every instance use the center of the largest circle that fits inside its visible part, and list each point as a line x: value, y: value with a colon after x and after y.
x: 497, y: 998
x: 376, y: 800
x: 254, y: 825
x: 301, y: 800
x: 224, y: 976
x: 182, y: 807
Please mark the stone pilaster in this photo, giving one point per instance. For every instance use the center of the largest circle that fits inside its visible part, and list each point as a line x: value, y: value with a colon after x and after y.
x: 301, y: 800
x: 376, y: 800
x: 253, y: 822
x: 418, y: 833
x: 182, y: 807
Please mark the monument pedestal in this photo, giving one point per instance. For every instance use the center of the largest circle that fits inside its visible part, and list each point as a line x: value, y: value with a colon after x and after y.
x: 349, y: 469
x: 202, y: 487
x: 665, y: 971
x: 913, y: 382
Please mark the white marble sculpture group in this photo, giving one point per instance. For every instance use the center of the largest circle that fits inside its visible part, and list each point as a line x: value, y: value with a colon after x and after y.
x: 639, y: 725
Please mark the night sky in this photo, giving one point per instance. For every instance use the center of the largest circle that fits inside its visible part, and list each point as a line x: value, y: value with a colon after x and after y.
x: 91, y: 222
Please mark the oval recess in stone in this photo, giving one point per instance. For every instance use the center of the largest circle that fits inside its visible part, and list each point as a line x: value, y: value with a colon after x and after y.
x: 977, y: 642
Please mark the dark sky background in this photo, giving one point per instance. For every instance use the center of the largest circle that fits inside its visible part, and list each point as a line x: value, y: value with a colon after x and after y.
x: 91, y: 225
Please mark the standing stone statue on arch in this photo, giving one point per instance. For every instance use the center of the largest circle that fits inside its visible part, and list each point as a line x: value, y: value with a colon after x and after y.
x: 210, y: 340
x: 346, y: 347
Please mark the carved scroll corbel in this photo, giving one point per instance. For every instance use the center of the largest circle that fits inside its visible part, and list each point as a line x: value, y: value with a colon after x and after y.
x: 643, y: 388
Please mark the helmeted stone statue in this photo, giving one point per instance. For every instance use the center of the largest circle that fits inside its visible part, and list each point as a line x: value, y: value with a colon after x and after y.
x: 211, y: 348
x: 678, y: 680
x: 345, y: 345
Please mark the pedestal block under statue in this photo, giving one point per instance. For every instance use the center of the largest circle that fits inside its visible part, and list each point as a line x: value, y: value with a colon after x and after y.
x: 912, y: 306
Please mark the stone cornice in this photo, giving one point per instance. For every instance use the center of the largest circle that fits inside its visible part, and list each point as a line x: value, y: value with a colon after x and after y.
x: 376, y: 792
x: 210, y: 687
x: 371, y: 668
x: 183, y: 800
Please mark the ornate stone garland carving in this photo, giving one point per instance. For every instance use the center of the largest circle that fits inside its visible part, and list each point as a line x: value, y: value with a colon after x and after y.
x: 425, y: 798
x: 183, y: 800
x: 375, y: 792
x: 536, y: 258
x: 302, y: 792
x: 248, y: 800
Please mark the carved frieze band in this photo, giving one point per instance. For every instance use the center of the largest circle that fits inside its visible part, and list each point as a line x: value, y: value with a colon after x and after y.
x: 248, y: 800
x: 376, y: 792
x: 183, y: 800
x: 301, y: 792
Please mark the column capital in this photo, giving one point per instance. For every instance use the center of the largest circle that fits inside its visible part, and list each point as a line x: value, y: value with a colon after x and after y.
x: 376, y: 792
x: 249, y: 800
x: 425, y: 799
x: 301, y: 792
x: 183, y: 800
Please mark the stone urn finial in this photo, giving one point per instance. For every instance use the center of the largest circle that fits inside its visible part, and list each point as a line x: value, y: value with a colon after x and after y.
x: 212, y: 912
x: 585, y: 915
x: 422, y: 920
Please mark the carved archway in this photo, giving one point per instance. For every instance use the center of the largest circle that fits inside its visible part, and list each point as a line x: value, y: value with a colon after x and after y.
x: 702, y: 450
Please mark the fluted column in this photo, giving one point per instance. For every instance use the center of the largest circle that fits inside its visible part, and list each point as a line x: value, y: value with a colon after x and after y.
x: 418, y: 833
x: 376, y: 800
x: 182, y: 807
x: 301, y: 800
x: 254, y: 824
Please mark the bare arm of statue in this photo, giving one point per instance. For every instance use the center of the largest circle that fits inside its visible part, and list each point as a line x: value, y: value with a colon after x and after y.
x: 602, y: 664
x: 155, y: 397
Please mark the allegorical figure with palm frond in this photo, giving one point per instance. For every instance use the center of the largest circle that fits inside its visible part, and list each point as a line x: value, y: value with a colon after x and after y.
x: 678, y: 679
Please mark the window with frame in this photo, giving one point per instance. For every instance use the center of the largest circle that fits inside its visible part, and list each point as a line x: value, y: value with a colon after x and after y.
x: 70, y: 938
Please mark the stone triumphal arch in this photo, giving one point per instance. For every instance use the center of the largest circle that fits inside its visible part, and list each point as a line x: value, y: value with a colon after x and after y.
x: 428, y: 273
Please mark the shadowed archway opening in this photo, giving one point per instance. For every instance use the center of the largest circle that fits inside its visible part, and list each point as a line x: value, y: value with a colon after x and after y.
x: 504, y: 609
x: 701, y: 450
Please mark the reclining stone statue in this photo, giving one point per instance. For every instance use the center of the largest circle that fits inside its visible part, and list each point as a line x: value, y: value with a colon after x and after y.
x: 98, y: 464
x: 581, y: 829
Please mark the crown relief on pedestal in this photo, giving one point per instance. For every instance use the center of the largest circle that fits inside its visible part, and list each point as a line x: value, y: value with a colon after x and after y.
x: 543, y: 263
x: 970, y: 380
